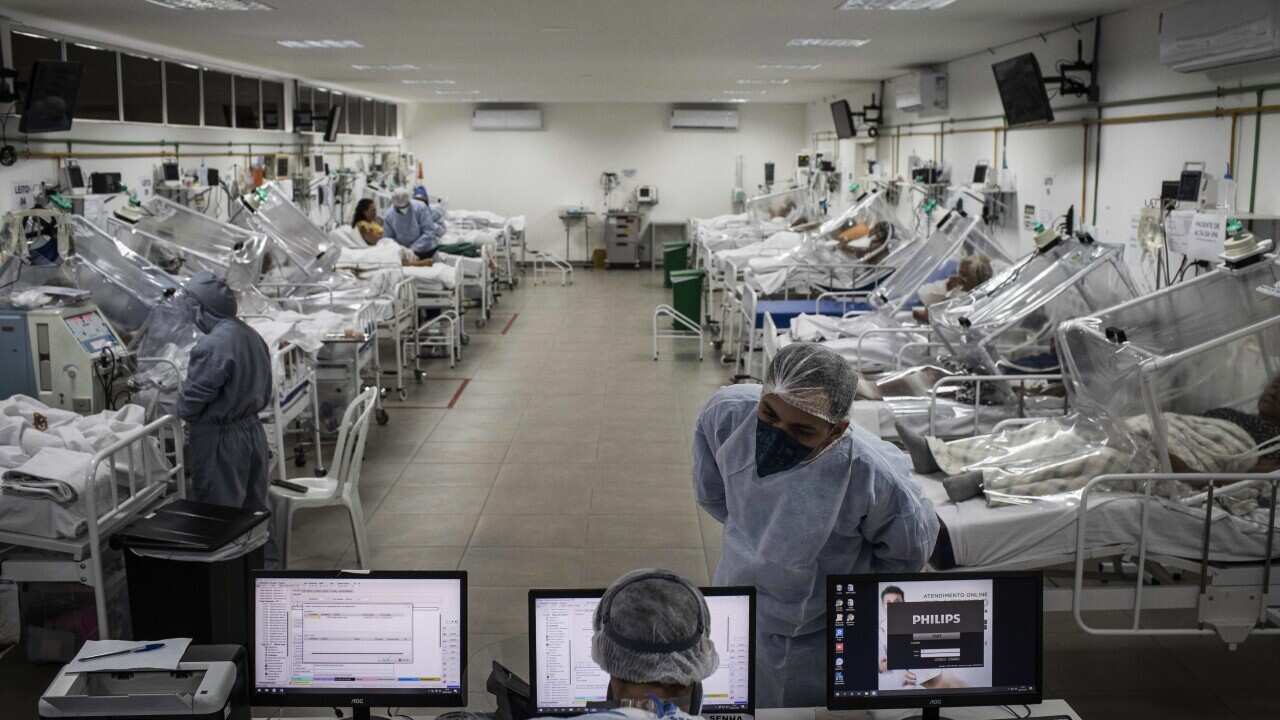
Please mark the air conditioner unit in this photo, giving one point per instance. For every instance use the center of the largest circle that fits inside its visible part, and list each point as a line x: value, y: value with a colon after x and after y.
x: 704, y: 119
x: 924, y: 92
x: 1199, y: 36
x: 506, y: 119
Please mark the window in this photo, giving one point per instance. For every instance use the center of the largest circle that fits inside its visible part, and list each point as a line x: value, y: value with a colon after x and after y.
x: 143, y: 89
x: 99, y: 88
x: 366, y: 114
x: 393, y: 127
x: 29, y: 48
x: 272, y: 105
x: 247, y: 103
x: 304, y: 99
x: 217, y: 99
x: 353, y: 115
x: 182, y: 85
x: 379, y: 118
x: 320, y: 102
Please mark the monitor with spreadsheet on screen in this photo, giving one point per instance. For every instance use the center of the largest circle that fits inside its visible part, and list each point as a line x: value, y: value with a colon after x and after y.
x: 564, y: 680
x: 333, y: 639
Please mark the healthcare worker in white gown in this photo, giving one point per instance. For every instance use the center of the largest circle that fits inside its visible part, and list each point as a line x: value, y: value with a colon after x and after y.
x: 802, y: 495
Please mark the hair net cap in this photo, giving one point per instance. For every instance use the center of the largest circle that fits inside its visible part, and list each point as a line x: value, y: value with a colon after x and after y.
x: 212, y: 293
x: 400, y: 198
x: 812, y: 378
x: 653, y: 626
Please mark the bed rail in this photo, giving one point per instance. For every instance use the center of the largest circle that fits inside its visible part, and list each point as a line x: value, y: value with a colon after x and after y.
x: 1231, y: 604
x: 149, y: 462
x: 977, y: 391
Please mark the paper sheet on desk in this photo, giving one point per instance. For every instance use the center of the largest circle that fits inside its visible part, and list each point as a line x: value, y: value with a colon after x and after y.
x: 166, y: 658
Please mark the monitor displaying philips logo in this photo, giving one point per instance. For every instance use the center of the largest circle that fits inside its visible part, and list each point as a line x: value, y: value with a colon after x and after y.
x: 932, y: 640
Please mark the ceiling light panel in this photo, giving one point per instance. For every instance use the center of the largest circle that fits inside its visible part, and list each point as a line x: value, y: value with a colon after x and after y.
x: 428, y: 82
x: 828, y: 42
x: 387, y: 68
x: 319, y: 44
x: 894, y: 4
x: 775, y: 81
x: 789, y: 67
x: 229, y: 5
x: 457, y: 92
x: 745, y: 92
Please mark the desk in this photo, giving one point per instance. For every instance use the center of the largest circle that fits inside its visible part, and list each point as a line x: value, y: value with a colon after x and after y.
x: 1048, y: 708
x: 654, y: 225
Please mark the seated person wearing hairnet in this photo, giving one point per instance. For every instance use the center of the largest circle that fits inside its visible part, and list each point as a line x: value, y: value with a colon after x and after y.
x: 228, y: 383
x: 410, y: 223
x: 652, y: 634
x: 802, y: 495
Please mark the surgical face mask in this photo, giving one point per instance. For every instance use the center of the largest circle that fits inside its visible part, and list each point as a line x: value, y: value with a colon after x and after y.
x: 776, y: 451
x: 402, y: 209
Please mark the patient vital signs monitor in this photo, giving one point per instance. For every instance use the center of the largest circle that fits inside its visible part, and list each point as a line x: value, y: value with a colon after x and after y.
x: 328, y: 639
x: 932, y: 640
x: 564, y: 680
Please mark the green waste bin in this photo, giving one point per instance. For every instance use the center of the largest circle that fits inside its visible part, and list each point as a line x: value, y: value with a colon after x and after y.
x: 686, y: 295
x: 675, y: 256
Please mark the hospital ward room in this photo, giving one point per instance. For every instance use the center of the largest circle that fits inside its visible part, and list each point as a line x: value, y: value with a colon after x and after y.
x: 665, y: 360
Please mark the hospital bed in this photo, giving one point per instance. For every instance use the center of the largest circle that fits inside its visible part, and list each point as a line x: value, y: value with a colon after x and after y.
x: 133, y: 487
x: 1210, y: 342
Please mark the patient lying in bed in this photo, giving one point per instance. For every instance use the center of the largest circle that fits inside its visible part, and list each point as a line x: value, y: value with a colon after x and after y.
x: 1062, y: 454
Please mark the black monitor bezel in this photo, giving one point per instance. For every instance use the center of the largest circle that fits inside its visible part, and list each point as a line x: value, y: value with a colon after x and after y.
x: 331, y: 123
x: 841, y: 109
x: 346, y: 698
x: 924, y: 700
x: 535, y: 595
x: 1043, y: 110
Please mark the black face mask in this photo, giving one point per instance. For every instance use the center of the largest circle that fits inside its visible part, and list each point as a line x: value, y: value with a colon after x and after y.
x: 776, y: 451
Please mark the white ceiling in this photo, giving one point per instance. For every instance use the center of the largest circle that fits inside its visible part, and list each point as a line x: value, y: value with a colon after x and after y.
x: 578, y: 50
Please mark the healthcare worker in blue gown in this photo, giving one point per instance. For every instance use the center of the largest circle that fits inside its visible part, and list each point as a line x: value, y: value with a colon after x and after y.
x: 802, y: 495
x: 228, y: 383
x: 412, y: 224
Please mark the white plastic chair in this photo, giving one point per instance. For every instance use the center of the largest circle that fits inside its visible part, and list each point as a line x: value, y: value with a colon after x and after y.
x: 339, y: 486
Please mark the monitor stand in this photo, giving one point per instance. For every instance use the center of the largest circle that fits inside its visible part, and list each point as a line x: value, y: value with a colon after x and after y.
x: 929, y: 713
x: 364, y: 713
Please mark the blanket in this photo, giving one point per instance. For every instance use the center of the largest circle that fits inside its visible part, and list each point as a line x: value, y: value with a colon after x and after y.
x: 1061, y: 455
x: 45, y: 454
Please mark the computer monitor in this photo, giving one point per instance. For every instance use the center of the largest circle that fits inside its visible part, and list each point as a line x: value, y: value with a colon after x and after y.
x: 1022, y: 90
x: 170, y: 171
x: 564, y: 681
x: 331, y: 123
x: 930, y: 640
x: 49, y: 103
x: 75, y: 177
x: 335, y: 639
x: 842, y: 116
x: 317, y: 163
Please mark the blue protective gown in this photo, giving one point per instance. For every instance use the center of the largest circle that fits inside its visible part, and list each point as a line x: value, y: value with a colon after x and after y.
x: 853, y: 509
x: 228, y: 384
x: 416, y: 228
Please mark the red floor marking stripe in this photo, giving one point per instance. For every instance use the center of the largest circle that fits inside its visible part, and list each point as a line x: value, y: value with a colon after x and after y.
x: 510, y: 323
x: 458, y: 394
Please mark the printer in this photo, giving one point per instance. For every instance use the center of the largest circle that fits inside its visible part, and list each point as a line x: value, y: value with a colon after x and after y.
x: 210, y: 683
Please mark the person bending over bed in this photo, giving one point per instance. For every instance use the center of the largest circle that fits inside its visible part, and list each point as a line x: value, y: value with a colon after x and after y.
x: 973, y: 271
x: 366, y: 223
x: 1052, y: 456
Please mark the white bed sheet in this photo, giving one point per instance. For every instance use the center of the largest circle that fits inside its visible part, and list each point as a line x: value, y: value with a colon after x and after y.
x: 1043, y: 533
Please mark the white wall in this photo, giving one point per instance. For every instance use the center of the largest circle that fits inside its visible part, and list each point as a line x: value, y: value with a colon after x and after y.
x: 1049, y: 162
x: 535, y: 174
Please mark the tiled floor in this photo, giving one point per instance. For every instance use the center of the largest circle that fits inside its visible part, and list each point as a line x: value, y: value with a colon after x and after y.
x: 565, y: 462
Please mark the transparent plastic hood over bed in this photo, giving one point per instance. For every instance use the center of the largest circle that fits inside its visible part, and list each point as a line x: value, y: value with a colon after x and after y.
x: 311, y: 252
x: 1014, y: 314
x: 183, y: 241
x: 955, y: 235
x: 1206, y: 343
x: 796, y: 207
